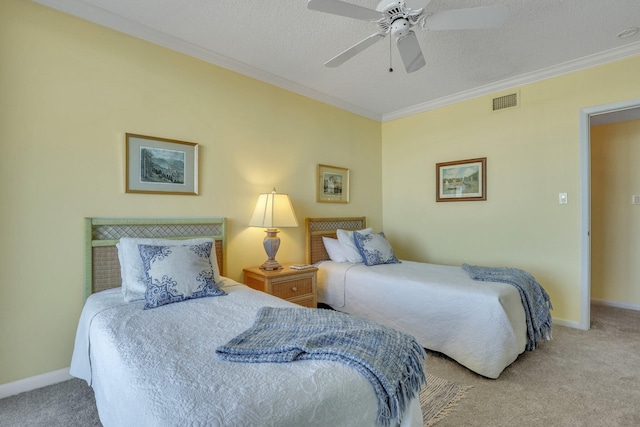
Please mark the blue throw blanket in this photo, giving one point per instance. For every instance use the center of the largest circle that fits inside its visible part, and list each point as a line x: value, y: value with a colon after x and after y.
x: 535, y: 300
x: 392, y: 361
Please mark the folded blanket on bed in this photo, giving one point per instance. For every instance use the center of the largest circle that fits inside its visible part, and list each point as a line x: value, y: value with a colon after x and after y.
x: 392, y: 361
x: 535, y: 299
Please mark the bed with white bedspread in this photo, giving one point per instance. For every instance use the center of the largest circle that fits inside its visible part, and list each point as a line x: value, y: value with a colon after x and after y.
x: 481, y: 325
x: 158, y: 367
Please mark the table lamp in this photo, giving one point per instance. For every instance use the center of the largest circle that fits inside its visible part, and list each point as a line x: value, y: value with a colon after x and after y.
x: 273, y: 211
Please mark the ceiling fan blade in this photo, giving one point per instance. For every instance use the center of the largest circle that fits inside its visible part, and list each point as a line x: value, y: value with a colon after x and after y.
x: 354, y: 50
x: 416, y: 4
x: 341, y: 8
x: 411, y: 53
x: 466, y: 19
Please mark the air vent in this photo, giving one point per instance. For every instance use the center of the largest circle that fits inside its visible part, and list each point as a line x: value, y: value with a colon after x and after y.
x: 505, y: 101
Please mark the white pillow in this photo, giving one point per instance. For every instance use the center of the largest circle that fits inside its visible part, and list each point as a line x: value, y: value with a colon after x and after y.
x: 375, y: 249
x: 334, y: 249
x: 349, y: 246
x: 177, y: 273
x: 131, y: 269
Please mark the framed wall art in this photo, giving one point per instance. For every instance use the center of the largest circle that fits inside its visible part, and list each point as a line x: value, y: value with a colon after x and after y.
x: 332, y: 184
x: 463, y: 180
x: 159, y: 165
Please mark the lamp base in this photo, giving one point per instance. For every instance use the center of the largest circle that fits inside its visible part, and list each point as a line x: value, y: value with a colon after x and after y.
x: 271, y: 245
x: 271, y: 265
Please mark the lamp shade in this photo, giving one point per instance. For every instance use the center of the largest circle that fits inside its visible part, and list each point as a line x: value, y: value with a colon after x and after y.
x: 273, y: 210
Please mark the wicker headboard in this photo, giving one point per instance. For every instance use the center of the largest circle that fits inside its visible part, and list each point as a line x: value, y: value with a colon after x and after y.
x: 102, y: 268
x: 316, y: 228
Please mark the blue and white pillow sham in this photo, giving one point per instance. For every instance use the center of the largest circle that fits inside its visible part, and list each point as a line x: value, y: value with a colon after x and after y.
x: 131, y: 269
x: 177, y: 273
x: 375, y: 249
x: 345, y: 238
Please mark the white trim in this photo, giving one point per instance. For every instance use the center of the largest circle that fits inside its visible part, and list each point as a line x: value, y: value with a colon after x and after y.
x: 32, y: 383
x: 617, y: 304
x: 118, y: 23
x: 523, y: 79
x: 585, y: 201
x: 565, y: 322
x: 585, y: 219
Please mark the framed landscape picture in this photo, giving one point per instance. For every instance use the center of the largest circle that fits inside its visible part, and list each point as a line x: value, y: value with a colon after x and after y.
x: 159, y: 165
x: 462, y: 180
x: 332, y: 184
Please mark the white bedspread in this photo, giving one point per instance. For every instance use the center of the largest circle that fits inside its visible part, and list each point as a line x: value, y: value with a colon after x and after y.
x: 481, y: 325
x: 158, y: 368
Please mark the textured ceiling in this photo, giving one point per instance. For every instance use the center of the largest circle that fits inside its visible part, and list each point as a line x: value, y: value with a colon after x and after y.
x: 285, y: 44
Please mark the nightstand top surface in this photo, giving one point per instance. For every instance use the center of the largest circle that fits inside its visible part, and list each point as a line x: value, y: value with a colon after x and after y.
x: 286, y: 270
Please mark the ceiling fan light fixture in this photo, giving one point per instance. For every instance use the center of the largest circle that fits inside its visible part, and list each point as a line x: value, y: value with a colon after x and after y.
x: 400, y: 28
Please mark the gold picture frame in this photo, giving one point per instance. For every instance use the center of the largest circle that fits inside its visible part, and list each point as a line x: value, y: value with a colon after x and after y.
x: 332, y: 184
x: 160, y: 165
x: 462, y: 180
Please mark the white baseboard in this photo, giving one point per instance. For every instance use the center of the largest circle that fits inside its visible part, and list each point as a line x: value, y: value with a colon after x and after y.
x: 565, y: 322
x: 32, y: 383
x: 617, y: 304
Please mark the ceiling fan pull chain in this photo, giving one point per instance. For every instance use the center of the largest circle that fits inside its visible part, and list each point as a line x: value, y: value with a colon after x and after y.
x: 390, y: 61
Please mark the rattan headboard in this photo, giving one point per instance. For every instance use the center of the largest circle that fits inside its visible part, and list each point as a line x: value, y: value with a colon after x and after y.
x: 316, y: 228
x: 102, y: 268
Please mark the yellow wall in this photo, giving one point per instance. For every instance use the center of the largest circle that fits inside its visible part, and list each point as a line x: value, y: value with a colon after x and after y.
x: 615, y: 222
x: 69, y: 91
x: 532, y: 155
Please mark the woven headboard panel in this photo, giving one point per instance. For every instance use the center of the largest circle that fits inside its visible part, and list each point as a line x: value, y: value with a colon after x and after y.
x: 102, y: 268
x: 316, y: 228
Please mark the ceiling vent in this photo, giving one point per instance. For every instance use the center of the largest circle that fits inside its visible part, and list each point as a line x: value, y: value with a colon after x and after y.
x: 503, y: 102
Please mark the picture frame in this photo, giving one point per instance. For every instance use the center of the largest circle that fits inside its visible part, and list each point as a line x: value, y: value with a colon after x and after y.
x: 462, y: 180
x: 332, y: 184
x: 160, y: 165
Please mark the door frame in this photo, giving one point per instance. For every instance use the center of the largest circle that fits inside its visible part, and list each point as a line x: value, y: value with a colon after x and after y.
x: 585, y: 200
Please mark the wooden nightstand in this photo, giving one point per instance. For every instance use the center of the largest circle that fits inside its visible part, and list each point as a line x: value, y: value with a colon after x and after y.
x: 298, y: 286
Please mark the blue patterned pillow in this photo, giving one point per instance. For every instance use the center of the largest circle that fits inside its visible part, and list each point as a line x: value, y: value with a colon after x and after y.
x: 351, y: 251
x: 177, y: 273
x: 375, y: 249
x: 132, y: 271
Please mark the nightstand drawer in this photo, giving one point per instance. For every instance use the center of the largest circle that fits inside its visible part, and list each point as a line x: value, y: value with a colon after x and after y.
x: 297, y: 286
x: 309, y: 302
x: 293, y: 288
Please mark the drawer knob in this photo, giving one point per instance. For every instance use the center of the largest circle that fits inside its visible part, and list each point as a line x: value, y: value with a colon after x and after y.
x: 293, y: 288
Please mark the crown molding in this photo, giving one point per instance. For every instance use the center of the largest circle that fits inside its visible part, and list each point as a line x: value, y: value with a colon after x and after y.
x: 523, y: 79
x: 115, y: 22
x: 105, y: 18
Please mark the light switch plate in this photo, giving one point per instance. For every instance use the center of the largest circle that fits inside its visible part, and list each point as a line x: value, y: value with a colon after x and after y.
x: 562, y: 198
x: 635, y: 199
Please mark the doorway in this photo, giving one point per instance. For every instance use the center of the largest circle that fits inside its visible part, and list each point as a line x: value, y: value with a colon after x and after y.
x: 620, y: 111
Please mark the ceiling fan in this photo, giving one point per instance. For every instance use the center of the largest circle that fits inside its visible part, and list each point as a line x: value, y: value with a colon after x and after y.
x: 398, y: 18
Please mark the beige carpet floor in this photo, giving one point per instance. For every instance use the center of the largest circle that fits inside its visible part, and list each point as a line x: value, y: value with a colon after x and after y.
x: 580, y: 378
